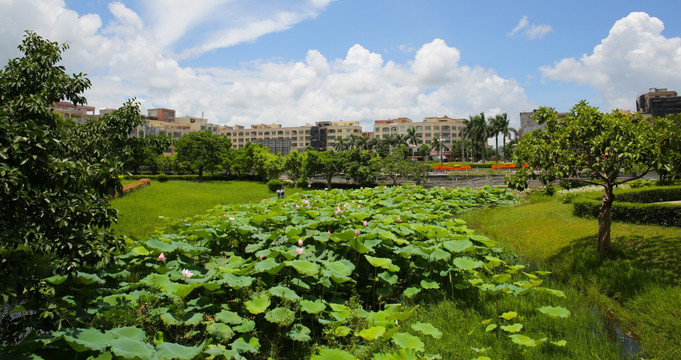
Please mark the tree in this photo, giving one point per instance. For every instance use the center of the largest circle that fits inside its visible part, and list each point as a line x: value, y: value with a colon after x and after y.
x: 413, y: 137
x: 267, y: 166
x: 478, y: 131
x: 145, y: 151
x: 202, y: 150
x: 424, y: 150
x: 494, y: 126
x: 293, y: 166
x: 325, y: 163
x: 587, y: 146
x: 504, y: 127
x: 363, y: 167
x: 341, y: 144
x: 56, y: 176
x: 667, y: 132
x: 437, y: 144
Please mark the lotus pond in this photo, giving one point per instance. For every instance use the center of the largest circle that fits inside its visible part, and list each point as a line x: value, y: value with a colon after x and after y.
x: 321, y: 274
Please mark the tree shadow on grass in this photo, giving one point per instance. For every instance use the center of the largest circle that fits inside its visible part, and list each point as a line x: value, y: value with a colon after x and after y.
x: 634, y: 263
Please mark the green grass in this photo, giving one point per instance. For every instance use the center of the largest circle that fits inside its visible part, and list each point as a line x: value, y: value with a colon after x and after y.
x: 636, y: 286
x: 139, y: 211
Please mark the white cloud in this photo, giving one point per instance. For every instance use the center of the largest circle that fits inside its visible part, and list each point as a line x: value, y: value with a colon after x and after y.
x: 532, y: 31
x: 632, y: 58
x: 126, y: 59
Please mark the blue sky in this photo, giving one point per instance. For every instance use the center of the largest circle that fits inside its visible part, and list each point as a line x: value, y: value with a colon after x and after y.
x: 295, y: 62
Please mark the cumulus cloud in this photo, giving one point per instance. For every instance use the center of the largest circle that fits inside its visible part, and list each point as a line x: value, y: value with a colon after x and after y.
x: 125, y: 58
x: 632, y: 58
x: 532, y: 31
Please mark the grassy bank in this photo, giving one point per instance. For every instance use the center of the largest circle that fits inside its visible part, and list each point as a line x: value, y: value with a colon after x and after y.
x: 636, y: 286
x: 139, y: 211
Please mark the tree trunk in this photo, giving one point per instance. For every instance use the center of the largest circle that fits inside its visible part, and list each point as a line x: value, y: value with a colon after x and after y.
x: 605, y: 220
x: 482, y: 151
x: 200, y: 173
x: 463, y: 152
x: 504, y: 146
x: 496, y: 143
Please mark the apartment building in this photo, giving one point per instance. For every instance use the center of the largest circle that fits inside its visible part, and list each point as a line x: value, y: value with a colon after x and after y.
x: 444, y: 128
x: 278, y: 139
x: 78, y: 113
x: 659, y: 102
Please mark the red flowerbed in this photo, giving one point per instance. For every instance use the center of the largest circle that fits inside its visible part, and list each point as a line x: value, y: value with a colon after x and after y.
x: 452, y: 167
x: 134, y: 186
x: 507, y: 166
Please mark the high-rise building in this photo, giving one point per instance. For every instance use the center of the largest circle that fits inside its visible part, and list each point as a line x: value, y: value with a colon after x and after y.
x: 659, y: 102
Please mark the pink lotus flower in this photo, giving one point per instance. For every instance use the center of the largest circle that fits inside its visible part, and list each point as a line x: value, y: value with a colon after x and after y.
x: 260, y: 257
x: 297, y: 207
x: 329, y: 232
x: 299, y: 251
x: 162, y: 257
x: 187, y: 274
x: 231, y: 219
x: 399, y: 219
x: 366, y: 223
x: 356, y: 232
x: 300, y: 242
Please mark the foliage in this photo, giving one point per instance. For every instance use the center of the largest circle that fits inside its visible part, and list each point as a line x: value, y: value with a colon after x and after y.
x: 325, y: 163
x: 667, y: 162
x: 267, y: 165
x: 202, y: 150
x: 275, y: 184
x: 637, y: 206
x: 147, y: 151
x: 316, y: 273
x: 590, y: 146
x: 56, y: 176
x: 293, y: 166
x: 363, y: 167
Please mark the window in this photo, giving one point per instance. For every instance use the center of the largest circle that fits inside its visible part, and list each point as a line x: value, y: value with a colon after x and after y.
x: 385, y: 129
x: 267, y: 133
x: 428, y: 134
x: 419, y: 128
x: 437, y: 127
x: 428, y: 127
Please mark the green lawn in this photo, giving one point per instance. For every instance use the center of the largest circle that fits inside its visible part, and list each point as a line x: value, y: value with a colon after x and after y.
x: 637, y: 286
x: 139, y: 211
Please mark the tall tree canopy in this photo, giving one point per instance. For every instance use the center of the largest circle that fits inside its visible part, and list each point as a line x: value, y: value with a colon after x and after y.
x: 56, y: 175
x: 202, y: 150
x: 605, y: 149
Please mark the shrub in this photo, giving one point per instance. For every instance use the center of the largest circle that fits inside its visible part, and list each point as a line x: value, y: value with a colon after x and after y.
x: 301, y: 183
x: 638, y: 206
x: 275, y: 184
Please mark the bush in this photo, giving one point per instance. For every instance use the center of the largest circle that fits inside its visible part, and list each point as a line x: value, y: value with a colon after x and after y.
x: 275, y: 184
x: 301, y: 183
x: 638, y: 206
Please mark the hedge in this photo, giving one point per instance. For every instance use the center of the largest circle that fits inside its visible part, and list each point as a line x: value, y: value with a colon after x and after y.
x: 638, y: 206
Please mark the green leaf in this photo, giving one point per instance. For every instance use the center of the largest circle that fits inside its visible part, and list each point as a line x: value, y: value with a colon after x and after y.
x: 258, y: 304
x: 284, y: 293
x: 159, y: 245
x: 130, y: 332
x: 268, y: 265
x: 555, y: 312
x: 429, y: 284
x: 280, y: 316
x: 509, y: 315
x: 427, y: 329
x: 246, y: 326
x: 228, y: 317
x: 56, y: 279
x: 388, y: 277
x: 312, y: 307
x: 408, y: 341
x: 559, y: 343
x: 372, y: 333
x: 466, y: 263
x: 140, y: 250
x: 171, y: 351
x: 333, y: 354
x: 411, y: 291
x: 128, y: 348
x: 220, y: 331
x: 457, y: 246
x: 490, y: 327
x: 382, y: 263
x: 300, y: 333
x: 86, y: 339
x: 304, y: 267
x: 246, y: 343
x: 523, y: 340
x: 88, y: 279
x: 512, y: 328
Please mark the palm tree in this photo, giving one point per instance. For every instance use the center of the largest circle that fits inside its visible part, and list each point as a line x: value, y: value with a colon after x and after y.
x: 413, y: 137
x: 479, y: 131
x: 466, y: 133
x: 341, y: 144
x: 494, y: 125
x: 361, y: 142
x: 506, y: 130
x: 437, y: 144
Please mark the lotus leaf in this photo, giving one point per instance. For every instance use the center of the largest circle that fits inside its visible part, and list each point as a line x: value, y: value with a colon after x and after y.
x: 490, y: 327
x: 281, y: 316
x: 333, y: 354
x: 466, y: 263
x: 312, y: 307
x: 427, y: 329
x: 284, y: 293
x: 228, y: 317
x: 85, y: 339
x: 304, y: 267
x: 246, y: 326
x: 220, y: 331
x: 300, y: 333
x: 258, y: 304
x: 372, y: 333
x: 525, y: 341
x: 246, y: 343
x: 429, y: 284
x: 457, y: 245
x: 408, y: 341
x: 512, y: 328
x: 382, y: 263
x: 555, y: 312
x: 509, y: 315
x: 171, y: 351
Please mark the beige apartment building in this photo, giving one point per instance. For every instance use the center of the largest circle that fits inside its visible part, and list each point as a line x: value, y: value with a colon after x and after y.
x: 444, y: 128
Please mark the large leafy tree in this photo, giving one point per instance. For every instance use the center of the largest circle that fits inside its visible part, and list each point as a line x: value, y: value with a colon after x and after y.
x: 202, y: 150
x: 293, y: 166
x: 56, y: 176
x: 145, y: 151
x: 588, y: 146
x: 667, y: 132
x: 363, y: 167
x: 325, y: 163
